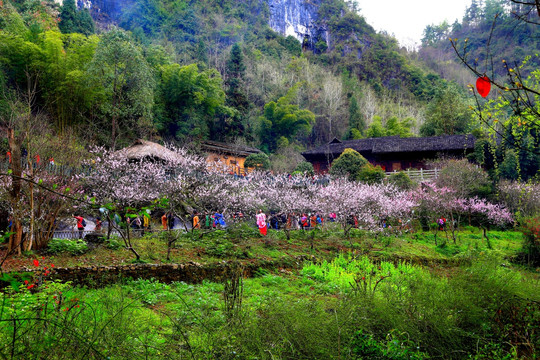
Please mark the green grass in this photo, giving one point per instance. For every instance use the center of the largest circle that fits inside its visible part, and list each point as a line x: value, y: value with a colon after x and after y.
x: 348, y: 308
x: 246, y: 244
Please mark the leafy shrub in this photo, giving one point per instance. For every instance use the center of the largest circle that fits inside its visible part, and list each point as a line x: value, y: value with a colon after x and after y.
x: 258, y: 161
x: 305, y: 168
x: 348, y: 164
x: 242, y: 230
x: 531, y: 248
x: 401, y: 180
x: 371, y: 174
x: 74, y: 247
x: 467, y: 179
x: 113, y: 243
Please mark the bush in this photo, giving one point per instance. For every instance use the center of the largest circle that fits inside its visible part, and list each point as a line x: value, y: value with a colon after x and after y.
x: 348, y: 164
x: 74, y: 247
x: 467, y: 179
x: 113, y: 243
x: 305, y: 168
x: 259, y: 161
x: 401, y: 180
x: 370, y: 174
x: 531, y: 248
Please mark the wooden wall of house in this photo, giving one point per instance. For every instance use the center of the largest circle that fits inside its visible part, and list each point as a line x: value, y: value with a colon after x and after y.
x: 235, y: 164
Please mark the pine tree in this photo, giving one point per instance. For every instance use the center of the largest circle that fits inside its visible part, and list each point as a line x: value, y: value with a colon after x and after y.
x: 68, y: 17
x: 85, y: 23
x: 356, y: 121
x: 236, y: 73
x: 236, y: 97
x: 73, y: 21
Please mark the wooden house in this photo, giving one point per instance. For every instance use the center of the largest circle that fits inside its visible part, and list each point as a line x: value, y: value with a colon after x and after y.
x: 393, y: 153
x: 231, y: 155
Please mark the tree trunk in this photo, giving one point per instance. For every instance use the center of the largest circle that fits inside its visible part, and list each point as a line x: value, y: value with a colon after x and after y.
x: 16, y: 168
x: 30, y: 235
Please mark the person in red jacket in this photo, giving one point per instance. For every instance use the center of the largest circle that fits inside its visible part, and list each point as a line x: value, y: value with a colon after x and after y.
x: 80, y: 225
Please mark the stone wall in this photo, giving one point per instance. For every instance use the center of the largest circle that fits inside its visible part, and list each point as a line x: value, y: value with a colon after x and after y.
x: 193, y: 273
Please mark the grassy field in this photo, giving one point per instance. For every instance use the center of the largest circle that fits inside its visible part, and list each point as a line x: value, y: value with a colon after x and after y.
x: 244, y: 243
x: 366, y: 296
x: 347, y: 308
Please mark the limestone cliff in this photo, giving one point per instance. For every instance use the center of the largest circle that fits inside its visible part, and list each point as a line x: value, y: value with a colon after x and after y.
x: 297, y: 18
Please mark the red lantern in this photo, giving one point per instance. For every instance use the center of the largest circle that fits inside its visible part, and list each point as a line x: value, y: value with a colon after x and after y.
x: 483, y: 85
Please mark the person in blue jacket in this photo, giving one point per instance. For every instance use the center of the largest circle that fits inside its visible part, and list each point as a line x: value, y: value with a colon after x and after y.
x: 219, y: 221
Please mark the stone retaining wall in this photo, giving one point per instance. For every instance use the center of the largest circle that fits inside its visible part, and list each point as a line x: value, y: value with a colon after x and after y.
x: 98, y: 276
x: 194, y: 273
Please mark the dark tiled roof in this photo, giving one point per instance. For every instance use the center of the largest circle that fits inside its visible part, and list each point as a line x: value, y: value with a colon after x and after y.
x: 219, y: 147
x: 395, y: 144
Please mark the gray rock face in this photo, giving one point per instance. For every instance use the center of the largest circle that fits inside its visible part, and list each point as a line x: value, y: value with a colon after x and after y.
x: 297, y: 18
x: 105, y: 11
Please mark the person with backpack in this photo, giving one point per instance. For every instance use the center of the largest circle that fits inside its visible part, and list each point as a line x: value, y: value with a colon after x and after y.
x: 146, y: 222
x: 319, y: 220
x: 304, y: 222
x: 442, y: 223
x: 81, y: 224
x: 219, y: 221
x: 274, y: 221
x: 313, y: 221
x: 164, y: 221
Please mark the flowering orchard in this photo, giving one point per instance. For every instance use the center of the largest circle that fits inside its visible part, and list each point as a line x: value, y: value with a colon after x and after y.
x: 39, y: 200
x: 186, y: 182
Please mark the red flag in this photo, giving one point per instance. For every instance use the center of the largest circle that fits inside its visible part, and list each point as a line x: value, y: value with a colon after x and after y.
x: 483, y: 85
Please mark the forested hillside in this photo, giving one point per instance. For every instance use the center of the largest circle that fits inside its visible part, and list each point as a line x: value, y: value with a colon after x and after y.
x: 498, y: 39
x: 495, y: 30
x: 185, y: 71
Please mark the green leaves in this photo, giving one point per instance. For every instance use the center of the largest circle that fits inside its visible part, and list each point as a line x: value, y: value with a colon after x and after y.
x: 349, y: 163
x: 125, y: 83
x: 284, y: 119
x: 191, y: 99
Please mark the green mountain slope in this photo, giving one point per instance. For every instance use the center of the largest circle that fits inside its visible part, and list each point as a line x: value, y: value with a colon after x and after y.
x: 186, y: 71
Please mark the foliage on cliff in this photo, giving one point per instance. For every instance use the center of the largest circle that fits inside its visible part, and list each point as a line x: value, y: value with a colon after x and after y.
x: 498, y: 39
x: 188, y: 71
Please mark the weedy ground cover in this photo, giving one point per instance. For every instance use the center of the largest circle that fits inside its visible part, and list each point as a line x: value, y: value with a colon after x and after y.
x: 348, y: 308
x: 245, y: 243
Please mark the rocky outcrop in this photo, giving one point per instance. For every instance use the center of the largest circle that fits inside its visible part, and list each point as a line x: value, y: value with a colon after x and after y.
x: 297, y: 18
x: 105, y: 12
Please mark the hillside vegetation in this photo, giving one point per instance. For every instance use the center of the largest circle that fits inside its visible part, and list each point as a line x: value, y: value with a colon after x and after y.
x: 188, y: 71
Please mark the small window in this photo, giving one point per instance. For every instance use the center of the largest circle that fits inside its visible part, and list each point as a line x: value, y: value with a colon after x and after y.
x: 233, y: 162
x: 216, y: 159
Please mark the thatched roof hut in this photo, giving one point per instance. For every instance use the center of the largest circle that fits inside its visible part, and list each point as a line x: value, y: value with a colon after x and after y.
x: 148, y: 150
x: 393, y: 152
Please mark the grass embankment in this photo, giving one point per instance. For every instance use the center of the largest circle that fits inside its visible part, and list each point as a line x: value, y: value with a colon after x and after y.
x: 244, y: 243
x: 348, y: 308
